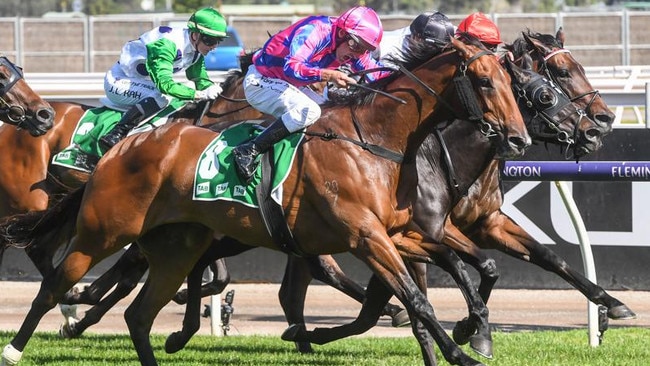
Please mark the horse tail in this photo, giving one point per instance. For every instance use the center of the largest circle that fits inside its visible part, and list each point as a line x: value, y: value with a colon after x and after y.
x: 33, y: 229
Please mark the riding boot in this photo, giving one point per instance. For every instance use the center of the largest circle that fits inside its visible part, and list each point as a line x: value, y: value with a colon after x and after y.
x: 129, y: 120
x: 247, y: 153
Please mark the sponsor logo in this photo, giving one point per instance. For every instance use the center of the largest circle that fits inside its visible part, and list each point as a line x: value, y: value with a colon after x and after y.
x: 203, y: 188
x: 239, y: 191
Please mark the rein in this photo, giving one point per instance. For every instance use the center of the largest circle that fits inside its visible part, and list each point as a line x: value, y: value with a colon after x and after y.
x: 465, y: 93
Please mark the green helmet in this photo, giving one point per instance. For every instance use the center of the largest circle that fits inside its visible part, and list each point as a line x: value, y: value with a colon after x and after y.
x: 208, y: 21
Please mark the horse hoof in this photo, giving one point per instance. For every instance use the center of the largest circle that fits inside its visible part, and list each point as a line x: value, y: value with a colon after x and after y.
x: 180, y: 298
x: 10, y: 356
x: 304, y: 347
x: 293, y: 333
x: 462, y: 332
x: 401, y: 319
x: 620, y: 312
x: 481, y: 345
x: 68, y: 329
x: 173, y: 343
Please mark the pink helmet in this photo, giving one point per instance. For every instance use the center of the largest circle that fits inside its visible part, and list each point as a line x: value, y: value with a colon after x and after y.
x: 362, y: 22
x: 481, y: 27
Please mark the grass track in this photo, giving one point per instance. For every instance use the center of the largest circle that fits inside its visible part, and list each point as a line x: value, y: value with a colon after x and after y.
x: 621, y: 346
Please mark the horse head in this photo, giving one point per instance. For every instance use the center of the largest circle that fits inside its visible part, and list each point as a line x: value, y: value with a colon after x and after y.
x: 548, y: 112
x: 481, y: 91
x: 557, y: 63
x: 19, y: 104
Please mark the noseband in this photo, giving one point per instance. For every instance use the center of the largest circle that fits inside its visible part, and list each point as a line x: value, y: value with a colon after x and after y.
x: 15, y: 113
x: 550, y: 108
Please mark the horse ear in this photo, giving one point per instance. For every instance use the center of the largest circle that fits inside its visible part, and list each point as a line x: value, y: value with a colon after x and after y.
x: 526, y: 61
x: 535, y: 44
x: 460, y: 46
x: 559, y: 36
x: 515, y: 71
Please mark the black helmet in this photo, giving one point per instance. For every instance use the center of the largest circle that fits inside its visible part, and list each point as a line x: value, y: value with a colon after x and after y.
x: 432, y: 27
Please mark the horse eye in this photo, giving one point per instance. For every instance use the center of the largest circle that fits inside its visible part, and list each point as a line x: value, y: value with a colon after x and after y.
x: 485, y: 82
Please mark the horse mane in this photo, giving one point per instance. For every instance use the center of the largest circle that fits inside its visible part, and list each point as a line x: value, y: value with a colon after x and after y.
x: 520, y: 46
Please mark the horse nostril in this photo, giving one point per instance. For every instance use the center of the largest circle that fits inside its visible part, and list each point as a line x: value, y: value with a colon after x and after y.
x: 518, y: 142
x: 45, y: 114
x: 593, y: 133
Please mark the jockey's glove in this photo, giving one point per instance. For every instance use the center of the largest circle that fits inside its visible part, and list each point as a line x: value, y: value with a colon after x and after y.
x: 211, y: 92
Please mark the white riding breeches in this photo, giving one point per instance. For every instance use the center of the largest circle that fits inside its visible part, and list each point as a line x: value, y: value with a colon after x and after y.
x: 125, y: 91
x: 298, y: 107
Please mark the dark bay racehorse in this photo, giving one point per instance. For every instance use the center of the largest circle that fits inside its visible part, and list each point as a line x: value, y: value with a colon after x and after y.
x: 366, y: 210
x: 19, y: 104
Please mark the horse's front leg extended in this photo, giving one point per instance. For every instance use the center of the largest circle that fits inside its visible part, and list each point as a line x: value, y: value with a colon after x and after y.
x: 500, y: 232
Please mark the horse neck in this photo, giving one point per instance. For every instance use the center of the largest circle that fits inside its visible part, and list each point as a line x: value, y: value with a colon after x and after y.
x: 470, y: 154
x: 408, y: 124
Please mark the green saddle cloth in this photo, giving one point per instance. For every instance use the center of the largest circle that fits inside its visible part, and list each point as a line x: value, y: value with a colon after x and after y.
x: 84, y: 151
x: 216, y: 177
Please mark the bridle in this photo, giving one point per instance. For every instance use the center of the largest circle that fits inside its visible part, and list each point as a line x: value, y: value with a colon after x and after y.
x: 545, y: 69
x: 465, y: 93
x: 15, y: 113
x: 548, y: 111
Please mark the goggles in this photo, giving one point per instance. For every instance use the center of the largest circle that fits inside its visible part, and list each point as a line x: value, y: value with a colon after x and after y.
x: 210, y: 40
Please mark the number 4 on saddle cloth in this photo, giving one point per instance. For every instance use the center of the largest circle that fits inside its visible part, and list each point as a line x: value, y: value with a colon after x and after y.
x: 84, y: 152
x: 216, y: 177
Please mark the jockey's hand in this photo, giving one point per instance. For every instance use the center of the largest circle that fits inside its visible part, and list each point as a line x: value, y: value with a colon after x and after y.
x: 340, y: 79
x: 211, y: 92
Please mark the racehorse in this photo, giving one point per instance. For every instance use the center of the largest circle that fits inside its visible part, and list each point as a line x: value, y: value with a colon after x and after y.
x: 361, y: 212
x: 19, y: 104
x: 557, y: 63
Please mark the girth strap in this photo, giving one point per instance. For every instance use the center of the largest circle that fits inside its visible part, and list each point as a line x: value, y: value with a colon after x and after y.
x: 272, y: 212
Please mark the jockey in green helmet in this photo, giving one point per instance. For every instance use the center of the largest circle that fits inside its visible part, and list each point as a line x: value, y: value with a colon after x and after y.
x: 142, y: 81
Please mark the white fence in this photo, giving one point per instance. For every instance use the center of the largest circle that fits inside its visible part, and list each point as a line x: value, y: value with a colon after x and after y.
x: 624, y: 88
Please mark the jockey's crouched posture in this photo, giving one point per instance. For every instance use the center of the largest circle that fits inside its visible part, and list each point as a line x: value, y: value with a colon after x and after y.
x: 142, y: 80
x: 306, y: 52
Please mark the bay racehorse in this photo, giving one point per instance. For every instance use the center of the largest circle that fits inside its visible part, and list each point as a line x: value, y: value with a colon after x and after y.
x: 20, y: 106
x: 480, y: 207
x: 367, y: 213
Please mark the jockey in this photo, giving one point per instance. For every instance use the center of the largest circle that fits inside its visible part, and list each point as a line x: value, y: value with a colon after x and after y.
x: 481, y: 27
x: 433, y: 28
x: 142, y: 79
x: 306, y: 52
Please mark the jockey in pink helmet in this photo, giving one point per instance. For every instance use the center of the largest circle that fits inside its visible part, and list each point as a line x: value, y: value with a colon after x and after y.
x: 308, y: 51
x: 362, y: 25
x: 481, y: 27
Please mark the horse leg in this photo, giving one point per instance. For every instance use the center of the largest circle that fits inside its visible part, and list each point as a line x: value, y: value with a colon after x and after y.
x: 54, y: 285
x: 221, y: 279
x: 325, y: 269
x: 128, y: 280
x: 472, y: 255
x: 172, y: 251
x: 500, y: 232
x: 219, y: 249
x: 425, y: 340
x: 292, y: 294
x: 93, y: 293
x: 476, y: 329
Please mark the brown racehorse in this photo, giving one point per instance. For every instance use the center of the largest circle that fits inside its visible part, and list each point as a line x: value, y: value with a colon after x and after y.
x: 19, y: 104
x: 569, y: 76
x: 366, y: 214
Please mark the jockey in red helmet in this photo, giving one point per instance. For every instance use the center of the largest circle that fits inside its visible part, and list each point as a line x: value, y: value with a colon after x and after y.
x: 481, y: 27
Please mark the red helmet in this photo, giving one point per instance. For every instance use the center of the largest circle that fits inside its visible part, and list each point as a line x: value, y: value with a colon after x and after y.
x: 363, y: 23
x: 481, y: 27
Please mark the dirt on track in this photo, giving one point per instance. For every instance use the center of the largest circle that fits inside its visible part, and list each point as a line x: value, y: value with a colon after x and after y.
x: 257, y: 310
